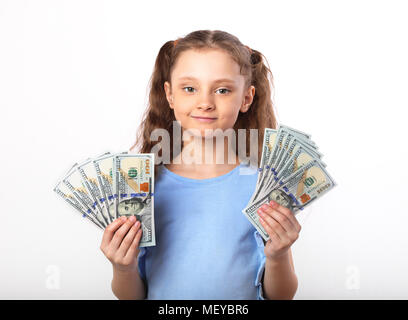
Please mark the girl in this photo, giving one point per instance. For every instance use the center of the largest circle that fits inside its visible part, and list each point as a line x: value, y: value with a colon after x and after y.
x: 206, y: 248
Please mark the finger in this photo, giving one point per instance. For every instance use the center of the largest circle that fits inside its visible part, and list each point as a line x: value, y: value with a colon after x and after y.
x: 128, y: 239
x: 110, y: 230
x: 287, y: 212
x: 291, y: 230
x: 272, y: 233
x: 121, y: 232
x: 134, y: 247
x: 275, y: 225
x: 284, y: 221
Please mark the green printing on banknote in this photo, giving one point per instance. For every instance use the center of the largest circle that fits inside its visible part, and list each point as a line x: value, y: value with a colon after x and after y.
x: 133, y: 176
x: 291, y: 173
x: 110, y: 186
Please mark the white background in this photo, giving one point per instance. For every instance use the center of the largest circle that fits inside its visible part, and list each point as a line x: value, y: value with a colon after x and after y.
x: 73, y: 84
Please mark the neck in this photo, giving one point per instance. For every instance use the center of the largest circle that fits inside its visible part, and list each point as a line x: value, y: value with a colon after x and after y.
x: 209, y: 155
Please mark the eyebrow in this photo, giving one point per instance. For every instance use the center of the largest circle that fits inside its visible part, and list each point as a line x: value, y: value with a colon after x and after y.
x: 216, y: 81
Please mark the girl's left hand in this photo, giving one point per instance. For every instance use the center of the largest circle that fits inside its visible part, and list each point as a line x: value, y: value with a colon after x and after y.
x: 282, y: 227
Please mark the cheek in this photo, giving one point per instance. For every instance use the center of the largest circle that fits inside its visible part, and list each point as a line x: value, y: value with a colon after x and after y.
x: 181, y: 108
x: 229, y: 116
x: 180, y: 112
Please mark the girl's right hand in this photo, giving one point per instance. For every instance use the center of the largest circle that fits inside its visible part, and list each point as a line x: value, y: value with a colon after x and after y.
x: 120, y: 243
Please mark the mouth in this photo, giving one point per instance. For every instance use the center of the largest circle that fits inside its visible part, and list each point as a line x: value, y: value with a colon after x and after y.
x: 204, y: 119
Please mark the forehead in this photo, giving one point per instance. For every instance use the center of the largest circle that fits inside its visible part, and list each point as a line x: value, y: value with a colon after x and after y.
x: 206, y: 65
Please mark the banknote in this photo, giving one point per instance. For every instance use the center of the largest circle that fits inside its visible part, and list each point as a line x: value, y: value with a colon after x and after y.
x: 296, y: 132
x: 295, y: 192
x: 90, y: 181
x: 293, y: 146
x: 268, y: 143
x: 281, y: 141
x: 291, y: 172
x: 104, y: 167
x: 74, y: 182
x: 63, y: 191
x: 133, y: 177
x: 286, y: 137
x: 300, y: 156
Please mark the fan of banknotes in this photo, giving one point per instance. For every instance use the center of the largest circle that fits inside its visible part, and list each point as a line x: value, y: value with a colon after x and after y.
x: 113, y: 185
x: 291, y: 173
x: 110, y: 186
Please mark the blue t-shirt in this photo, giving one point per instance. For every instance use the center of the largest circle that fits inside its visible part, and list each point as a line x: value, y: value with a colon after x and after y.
x: 205, y: 246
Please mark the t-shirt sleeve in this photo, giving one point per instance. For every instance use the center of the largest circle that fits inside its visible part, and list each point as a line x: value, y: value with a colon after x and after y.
x: 261, y: 265
x: 141, y: 263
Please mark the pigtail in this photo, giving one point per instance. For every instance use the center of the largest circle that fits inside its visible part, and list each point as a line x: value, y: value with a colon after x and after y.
x: 261, y: 114
x: 158, y: 114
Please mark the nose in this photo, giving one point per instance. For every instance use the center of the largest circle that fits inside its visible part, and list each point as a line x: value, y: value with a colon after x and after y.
x: 206, y: 106
x: 205, y: 101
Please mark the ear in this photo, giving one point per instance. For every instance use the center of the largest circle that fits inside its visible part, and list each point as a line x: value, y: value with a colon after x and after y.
x: 248, y: 98
x: 169, y: 97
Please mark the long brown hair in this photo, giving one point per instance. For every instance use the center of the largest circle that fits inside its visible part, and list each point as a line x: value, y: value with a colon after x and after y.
x: 158, y: 114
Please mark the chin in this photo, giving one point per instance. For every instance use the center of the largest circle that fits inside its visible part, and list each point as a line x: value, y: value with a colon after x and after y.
x: 205, y: 131
x: 199, y: 132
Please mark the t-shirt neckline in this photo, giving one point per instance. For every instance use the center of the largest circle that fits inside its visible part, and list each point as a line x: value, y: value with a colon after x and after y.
x: 199, y: 181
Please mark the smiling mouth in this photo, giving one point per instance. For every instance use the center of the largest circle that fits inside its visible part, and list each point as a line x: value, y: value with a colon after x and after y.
x: 203, y: 118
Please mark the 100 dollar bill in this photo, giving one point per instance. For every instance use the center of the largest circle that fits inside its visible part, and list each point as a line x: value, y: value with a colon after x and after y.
x: 104, y: 172
x: 74, y: 182
x: 283, y: 168
x: 63, y: 191
x: 90, y: 180
x: 133, y: 176
x: 280, y: 141
x: 268, y: 143
x: 294, y: 192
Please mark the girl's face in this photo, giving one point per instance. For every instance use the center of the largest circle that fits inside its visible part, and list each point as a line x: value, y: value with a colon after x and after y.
x: 207, y: 90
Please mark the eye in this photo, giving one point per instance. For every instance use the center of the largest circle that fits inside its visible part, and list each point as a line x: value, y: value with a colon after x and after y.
x: 224, y: 89
x: 188, y: 87
x: 194, y: 89
x: 126, y: 208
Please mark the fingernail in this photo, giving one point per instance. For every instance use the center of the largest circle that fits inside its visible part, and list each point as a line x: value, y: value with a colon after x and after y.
x: 260, y: 212
x: 272, y: 203
x: 132, y: 219
x: 123, y: 218
x: 264, y: 206
x: 137, y: 223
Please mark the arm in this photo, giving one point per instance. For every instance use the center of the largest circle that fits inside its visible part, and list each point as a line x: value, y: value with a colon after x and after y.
x: 279, y: 279
x: 128, y: 285
x: 120, y: 244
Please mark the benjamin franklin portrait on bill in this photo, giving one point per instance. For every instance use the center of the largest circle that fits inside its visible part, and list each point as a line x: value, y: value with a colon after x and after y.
x: 282, y: 198
x: 138, y: 207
